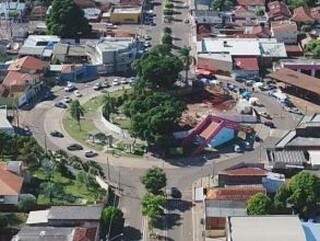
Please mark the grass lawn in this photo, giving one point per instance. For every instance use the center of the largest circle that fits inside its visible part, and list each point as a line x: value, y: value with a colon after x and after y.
x: 74, y: 191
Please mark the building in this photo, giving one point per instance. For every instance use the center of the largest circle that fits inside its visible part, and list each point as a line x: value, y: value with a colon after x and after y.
x: 211, y: 17
x: 278, y: 11
x: 12, y: 9
x: 312, y: 231
x: 302, y: 15
x: 264, y: 228
x: 115, y: 54
x: 5, y: 125
x: 92, y: 14
x: 246, y: 67
x: 40, y: 46
x: 214, y: 64
x: 24, y: 79
x: 302, y: 65
x: 69, y: 54
x: 78, y: 73
x: 123, y: 15
x: 252, y: 5
x: 285, y: 31
x: 10, y: 186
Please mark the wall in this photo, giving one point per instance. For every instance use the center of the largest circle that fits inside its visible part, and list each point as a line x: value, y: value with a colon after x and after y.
x: 116, y: 129
x: 225, y: 135
x: 11, y: 200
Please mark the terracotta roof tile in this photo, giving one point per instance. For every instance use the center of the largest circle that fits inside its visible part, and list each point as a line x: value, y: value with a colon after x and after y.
x: 28, y: 63
x: 251, y: 2
x: 302, y: 15
x: 212, y: 128
x: 278, y: 10
x: 84, y: 234
x: 246, y: 171
x: 16, y: 81
x: 284, y: 26
x: 246, y: 63
x: 10, y: 184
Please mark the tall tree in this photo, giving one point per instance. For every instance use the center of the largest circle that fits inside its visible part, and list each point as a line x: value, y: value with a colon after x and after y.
x: 187, y: 60
x: 154, y: 180
x: 259, y: 204
x: 67, y: 20
x: 152, y: 207
x: 76, y: 111
x: 111, y: 222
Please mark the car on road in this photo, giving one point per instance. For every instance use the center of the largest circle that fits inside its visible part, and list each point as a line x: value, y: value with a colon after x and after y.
x: 269, y: 124
x: 56, y: 134
x: 75, y: 147
x: 70, y: 87
x: 124, y: 81
x: 147, y: 37
x: 90, y: 154
x: 77, y: 93
x: 97, y: 86
x: 173, y: 192
x: 60, y: 104
x: 115, y: 82
x: 67, y: 99
x: 265, y: 115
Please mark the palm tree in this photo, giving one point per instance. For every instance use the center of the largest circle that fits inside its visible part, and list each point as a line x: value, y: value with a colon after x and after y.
x: 76, y: 111
x: 109, y: 106
x: 187, y: 60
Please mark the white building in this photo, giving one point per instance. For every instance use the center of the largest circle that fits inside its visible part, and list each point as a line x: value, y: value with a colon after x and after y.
x: 115, y: 54
x: 5, y: 125
x: 92, y: 14
x: 12, y: 10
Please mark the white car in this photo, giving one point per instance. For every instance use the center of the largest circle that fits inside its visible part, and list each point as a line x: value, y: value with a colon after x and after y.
x: 115, y: 82
x: 147, y: 37
x: 67, y: 99
x: 77, y: 93
x: 123, y: 81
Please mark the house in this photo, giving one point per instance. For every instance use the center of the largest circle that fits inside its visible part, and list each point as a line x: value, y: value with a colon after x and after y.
x: 264, y: 228
x: 69, y: 54
x: 92, y: 14
x: 278, y: 11
x: 56, y: 234
x: 257, y: 31
x: 13, y: 9
x: 285, y: 31
x: 294, y: 50
x: 122, y: 15
x: 5, y: 125
x: 201, y: 16
x: 215, y: 63
x: 219, y: 203
x: 302, y: 15
x: 253, y: 5
x: 38, y: 13
x: 24, y: 79
x: 242, y: 16
x: 246, y: 67
x: 40, y: 46
x: 302, y: 65
x: 115, y: 54
x: 10, y: 186
x: 212, y: 131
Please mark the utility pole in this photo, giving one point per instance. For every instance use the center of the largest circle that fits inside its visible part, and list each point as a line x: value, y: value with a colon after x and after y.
x: 108, y: 171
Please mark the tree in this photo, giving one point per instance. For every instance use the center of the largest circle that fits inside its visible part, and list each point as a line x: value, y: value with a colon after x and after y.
x: 4, y: 222
x: 111, y: 222
x: 158, y: 69
x: 76, y: 111
x: 167, y: 30
x: 222, y: 5
x: 302, y: 193
x: 154, y: 180
x: 301, y: 3
x: 27, y: 203
x: 51, y: 190
x: 67, y: 20
x: 109, y: 106
x: 259, y: 204
x: 152, y: 207
x: 169, y: 5
x: 313, y: 47
x: 167, y: 39
x: 187, y: 60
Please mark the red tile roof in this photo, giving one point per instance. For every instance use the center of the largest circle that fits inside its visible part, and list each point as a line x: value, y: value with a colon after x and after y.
x: 16, y: 81
x: 246, y: 63
x: 278, y: 10
x: 10, y: 184
x: 251, y: 2
x: 212, y: 128
x: 284, y: 27
x: 235, y: 193
x: 315, y: 13
x: 84, y: 234
x: 28, y: 63
x: 246, y: 171
x: 302, y: 15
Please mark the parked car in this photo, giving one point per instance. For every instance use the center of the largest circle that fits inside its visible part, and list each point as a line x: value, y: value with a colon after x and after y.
x: 115, y: 82
x: 265, y: 115
x: 67, y: 99
x: 60, y: 105
x: 70, y: 87
x: 77, y: 93
x: 147, y: 37
x: 97, y: 86
x: 74, y: 147
x: 56, y: 134
x: 237, y: 148
x: 269, y: 124
x: 124, y: 81
x: 173, y: 192
x: 186, y: 20
x: 90, y: 154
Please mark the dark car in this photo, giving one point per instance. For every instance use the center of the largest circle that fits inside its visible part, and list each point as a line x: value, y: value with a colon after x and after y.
x: 56, y: 134
x: 60, y: 105
x: 174, y: 192
x: 75, y: 147
x: 90, y: 154
x: 270, y: 124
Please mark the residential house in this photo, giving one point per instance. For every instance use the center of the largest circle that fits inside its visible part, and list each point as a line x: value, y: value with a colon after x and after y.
x: 40, y: 46
x: 56, y: 234
x: 303, y: 65
x: 285, y: 31
x: 214, y: 64
x: 10, y: 186
x: 257, y: 31
x: 211, y: 17
x: 114, y: 54
x: 294, y: 50
x: 93, y: 14
x: 242, y: 16
x: 253, y: 5
x: 302, y: 15
x: 278, y: 11
x: 311, y: 230
x: 265, y: 228
x: 246, y: 67
x: 24, y: 79
x: 38, y: 13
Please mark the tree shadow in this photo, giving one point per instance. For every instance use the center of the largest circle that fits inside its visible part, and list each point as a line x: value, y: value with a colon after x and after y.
x: 131, y: 233
x: 168, y: 221
x: 178, y: 204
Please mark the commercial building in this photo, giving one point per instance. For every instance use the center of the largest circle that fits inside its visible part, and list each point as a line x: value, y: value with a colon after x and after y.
x: 122, y: 15
x: 114, y: 54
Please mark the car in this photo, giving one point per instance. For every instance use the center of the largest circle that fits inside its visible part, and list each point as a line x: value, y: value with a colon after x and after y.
x: 147, y: 37
x: 56, y: 134
x: 173, y: 192
x: 186, y: 20
x: 249, y: 83
x: 115, y: 82
x: 70, y: 87
x: 265, y: 115
x: 153, y: 23
x: 124, y: 81
x: 60, y: 105
x: 75, y: 147
x: 147, y: 44
x: 90, y: 154
x: 237, y: 148
x: 67, y: 99
x: 257, y: 138
x: 230, y: 86
x: 77, y: 93
x: 269, y: 124
x: 97, y: 86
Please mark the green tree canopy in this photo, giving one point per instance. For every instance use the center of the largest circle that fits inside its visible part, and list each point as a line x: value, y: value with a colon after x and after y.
x: 111, y: 220
x: 154, y: 116
x: 259, y: 204
x: 4, y: 222
x: 158, y: 69
x: 154, y: 180
x: 313, y: 48
x: 67, y: 20
x: 153, y: 206
x: 167, y: 30
x: 301, y: 3
x: 76, y: 111
x: 222, y: 5
x: 187, y: 59
x: 167, y: 39
x: 302, y: 192
x: 27, y: 203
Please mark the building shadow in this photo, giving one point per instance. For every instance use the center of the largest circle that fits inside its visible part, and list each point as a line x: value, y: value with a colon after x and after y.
x: 131, y: 233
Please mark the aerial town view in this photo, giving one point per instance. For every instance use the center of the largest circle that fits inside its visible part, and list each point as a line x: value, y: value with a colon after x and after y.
x: 150, y: 120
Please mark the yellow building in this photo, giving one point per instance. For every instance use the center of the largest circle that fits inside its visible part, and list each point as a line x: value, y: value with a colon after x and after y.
x: 120, y: 15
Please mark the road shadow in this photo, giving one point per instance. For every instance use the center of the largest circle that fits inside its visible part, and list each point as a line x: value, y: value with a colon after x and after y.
x: 131, y: 233
x: 178, y: 204
x: 168, y: 221
x: 196, y: 161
